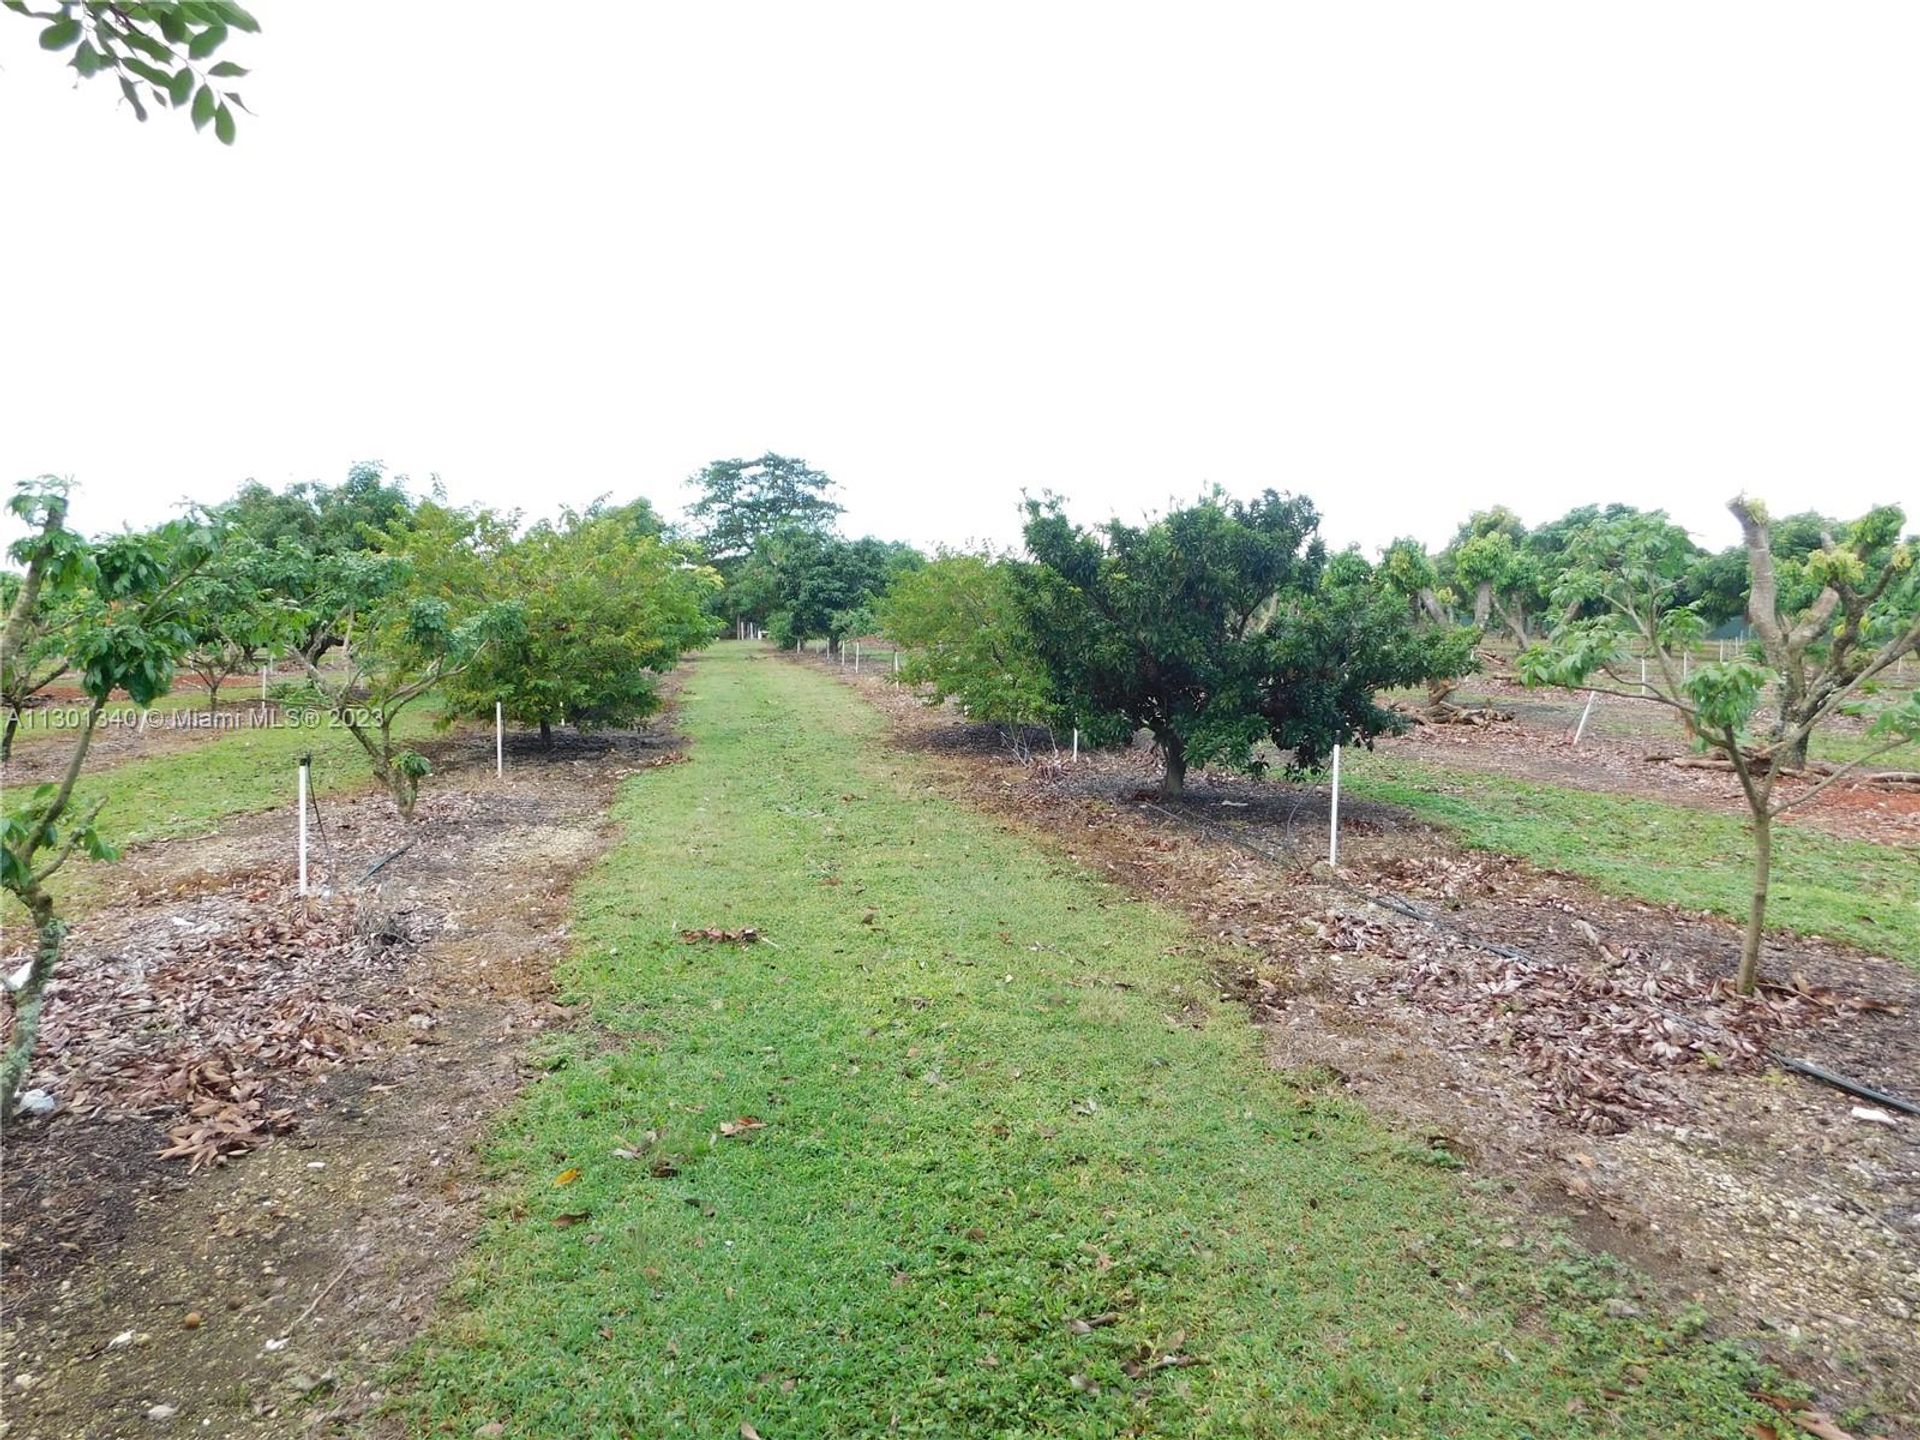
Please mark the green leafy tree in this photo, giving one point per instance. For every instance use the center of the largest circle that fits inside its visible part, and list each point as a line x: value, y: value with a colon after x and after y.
x: 36, y: 655
x: 126, y: 634
x: 1218, y: 627
x: 606, y: 607
x: 1406, y: 570
x: 808, y: 585
x: 413, y: 614
x: 300, y: 532
x: 234, y: 615
x: 742, y: 502
x: 160, y: 51
x: 1820, y: 657
x: 965, y: 635
x: 1487, y: 560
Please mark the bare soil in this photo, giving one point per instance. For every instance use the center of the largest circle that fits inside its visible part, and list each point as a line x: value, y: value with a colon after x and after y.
x: 1583, y: 1054
x: 382, y: 1023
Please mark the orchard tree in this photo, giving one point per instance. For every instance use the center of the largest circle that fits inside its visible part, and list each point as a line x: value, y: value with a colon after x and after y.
x: 1408, y: 571
x: 808, y: 585
x: 1821, y: 657
x: 164, y: 48
x: 234, y: 615
x: 606, y: 607
x: 1218, y: 627
x: 295, y: 535
x: 1489, y: 561
x: 126, y: 634
x: 36, y: 655
x: 413, y: 614
x: 966, y: 639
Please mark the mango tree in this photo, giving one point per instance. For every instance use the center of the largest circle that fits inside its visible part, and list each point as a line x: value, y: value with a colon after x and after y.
x: 1218, y: 627
x: 126, y: 633
x: 1858, y: 615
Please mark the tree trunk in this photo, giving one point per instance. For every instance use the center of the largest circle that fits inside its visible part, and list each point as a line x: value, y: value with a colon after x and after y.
x: 6, y: 739
x: 1791, y: 757
x: 1757, y: 914
x: 28, y: 1000
x: 213, y: 700
x: 1482, y: 603
x: 1173, y: 782
x: 546, y: 735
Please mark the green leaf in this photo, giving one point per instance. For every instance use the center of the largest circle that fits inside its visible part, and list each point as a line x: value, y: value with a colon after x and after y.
x: 133, y: 97
x: 203, y: 106
x: 239, y: 18
x: 87, y: 60
x: 138, y: 39
x: 223, y: 124
x: 150, y: 74
x: 173, y: 25
x: 181, y: 90
x: 206, y: 42
x: 62, y: 33
x: 227, y: 70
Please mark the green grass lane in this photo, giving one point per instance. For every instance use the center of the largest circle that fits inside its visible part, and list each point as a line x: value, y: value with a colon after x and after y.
x: 1849, y: 890
x: 999, y: 1096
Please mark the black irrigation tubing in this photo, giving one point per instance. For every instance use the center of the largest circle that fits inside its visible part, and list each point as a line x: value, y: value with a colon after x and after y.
x: 333, y: 866
x: 1841, y: 1082
x: 1412, y: 911
x: 379, y: 865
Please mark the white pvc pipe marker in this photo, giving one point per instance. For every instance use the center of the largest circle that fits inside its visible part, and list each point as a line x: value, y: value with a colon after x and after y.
x: 305, y: 761
x: 499, y: 742
x: 1333, y: 817
x: 1581, y: 728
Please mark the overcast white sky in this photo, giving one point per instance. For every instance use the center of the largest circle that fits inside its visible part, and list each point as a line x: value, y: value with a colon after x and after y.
x: 1409, y: 259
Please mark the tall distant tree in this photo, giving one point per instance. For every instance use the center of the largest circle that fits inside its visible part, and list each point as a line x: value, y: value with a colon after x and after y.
x: 1217, y: 627
x: 160, y: 46
x: 1821, y: 653
x: 296, y: 537
x: 742, y: 502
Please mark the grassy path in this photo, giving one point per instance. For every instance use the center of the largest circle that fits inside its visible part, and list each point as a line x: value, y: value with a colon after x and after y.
x: 996, y: 1101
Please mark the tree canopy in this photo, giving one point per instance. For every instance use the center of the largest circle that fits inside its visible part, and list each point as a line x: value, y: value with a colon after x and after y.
x: 1217, y: 627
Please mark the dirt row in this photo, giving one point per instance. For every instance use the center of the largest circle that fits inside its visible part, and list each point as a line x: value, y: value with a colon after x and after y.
x: 1585, y: 1054
x: 262, y: 1170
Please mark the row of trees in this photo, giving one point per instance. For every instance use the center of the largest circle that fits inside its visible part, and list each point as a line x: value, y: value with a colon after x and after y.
x: 378, y: 599
x: 1508, y: 579
x: 1226, y: 628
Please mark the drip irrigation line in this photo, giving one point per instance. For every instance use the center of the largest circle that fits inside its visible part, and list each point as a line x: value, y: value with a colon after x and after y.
x: 1427, y: 917
x: 379, y: 865
x: 1415, y: 912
